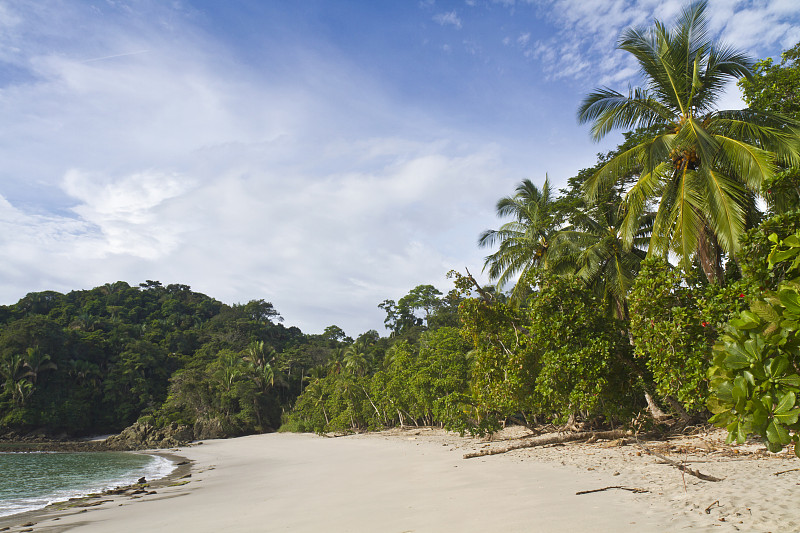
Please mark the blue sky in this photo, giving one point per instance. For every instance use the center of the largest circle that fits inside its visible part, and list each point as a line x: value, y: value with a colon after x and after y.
x: 320, y: 155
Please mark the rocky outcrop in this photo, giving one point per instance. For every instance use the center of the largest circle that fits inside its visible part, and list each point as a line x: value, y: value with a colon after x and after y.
x: 209, y: 428
x: 141, y: 436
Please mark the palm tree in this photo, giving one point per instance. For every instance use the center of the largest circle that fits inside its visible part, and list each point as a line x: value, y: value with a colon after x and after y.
x: 598, y: 256
x: 355, y: 358
x: 15, y: 374
x: 36, y: 362
x: 259, y: 354
x: 264, y: 376
x: 704, y: 167
x: 229, y: 369
x: 525, y: 242
x: 12, y: 369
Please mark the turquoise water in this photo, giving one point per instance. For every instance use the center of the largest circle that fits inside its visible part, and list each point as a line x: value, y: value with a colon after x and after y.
x: 31, y: 481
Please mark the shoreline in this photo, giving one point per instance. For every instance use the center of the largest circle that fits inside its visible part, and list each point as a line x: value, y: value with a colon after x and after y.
x: 82, y: 504
x: 416, y: 479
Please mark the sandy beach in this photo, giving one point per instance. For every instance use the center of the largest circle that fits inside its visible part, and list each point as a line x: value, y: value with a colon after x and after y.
x: 418, y: 480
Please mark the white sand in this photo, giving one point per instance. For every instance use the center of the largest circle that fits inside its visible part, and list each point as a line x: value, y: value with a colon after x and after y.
x: 403, y: 481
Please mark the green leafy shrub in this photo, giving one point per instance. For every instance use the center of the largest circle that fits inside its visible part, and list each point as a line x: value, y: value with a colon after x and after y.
x: 560, y: 356
x: 756, y: 374
x: 579, y: 352
x: 756, y: 245
x: 674, y: 324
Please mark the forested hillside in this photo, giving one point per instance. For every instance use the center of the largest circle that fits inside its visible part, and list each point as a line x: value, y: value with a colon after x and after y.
x: 94, y: 361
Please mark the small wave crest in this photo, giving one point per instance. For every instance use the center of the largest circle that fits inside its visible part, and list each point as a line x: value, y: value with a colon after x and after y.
x: 14, y: 500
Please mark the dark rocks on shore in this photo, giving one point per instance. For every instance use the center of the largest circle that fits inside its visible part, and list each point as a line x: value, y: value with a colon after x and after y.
x: 136, y: 437
x: 142, y: 436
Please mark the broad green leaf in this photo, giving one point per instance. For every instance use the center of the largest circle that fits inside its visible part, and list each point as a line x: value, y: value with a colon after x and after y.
x: 792, y: 240
x: 722, y: 418
x: 774, y: 447
x: 733, y: 430
x: 739, y: 390
x: 755, y: 348
x: 777, y: 366
x: 766, y: 402
x: 747, y: 320
x: 792, y: 380
x: 737, y: 360
x: 777, y: 433
x: 717, y: 406
x: 787, y: 403
x: 791, y: 299
x: 789, y: 417
x: 741, y: 434
x: 723, y: 391
x: 778, y: 256
x: 760, y: 419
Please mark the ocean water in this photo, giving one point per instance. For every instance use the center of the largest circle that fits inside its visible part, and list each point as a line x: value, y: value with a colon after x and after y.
x: 31, y: 481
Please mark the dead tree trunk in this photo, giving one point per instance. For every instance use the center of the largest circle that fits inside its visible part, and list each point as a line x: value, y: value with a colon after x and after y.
x: 553, y: 439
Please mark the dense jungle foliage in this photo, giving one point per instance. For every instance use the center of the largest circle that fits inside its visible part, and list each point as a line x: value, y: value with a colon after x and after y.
x: 95, y: 361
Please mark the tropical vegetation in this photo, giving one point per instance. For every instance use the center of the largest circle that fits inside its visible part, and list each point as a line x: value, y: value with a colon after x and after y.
x: 649, y: 290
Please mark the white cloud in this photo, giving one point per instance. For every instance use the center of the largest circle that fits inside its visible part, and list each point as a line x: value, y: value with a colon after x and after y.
x: 588, y: 31
x: 128, y: 212
x: 177, y: 165
x: 449, y: 18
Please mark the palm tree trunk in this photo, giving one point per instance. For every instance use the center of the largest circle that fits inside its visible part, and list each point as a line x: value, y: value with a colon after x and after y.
x: 710, y: 256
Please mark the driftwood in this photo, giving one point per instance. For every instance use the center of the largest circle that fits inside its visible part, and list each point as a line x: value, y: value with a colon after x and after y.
x: 620, y: 487
x: 708, y: 509
x: 785, y: 471
x: 552, y: 439
x: 680, y: 466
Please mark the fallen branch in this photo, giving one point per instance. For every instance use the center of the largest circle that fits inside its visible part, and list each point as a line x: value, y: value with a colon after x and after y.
x: 679, y: 466
x: 785, y: 471
x: 552, y: 439
x: 488, y: 298
x: 613, y: 487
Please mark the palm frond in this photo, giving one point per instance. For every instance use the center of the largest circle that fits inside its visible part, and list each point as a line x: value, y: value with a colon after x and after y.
x: 687, y: 214
x: 726, y: 209
x: 636, y: 200
x: 694, y: 134
x: 608, y: 110
x: 618, y: 166
x: 752, y: 165
x: 722, y: 65
x: 770, y: 131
